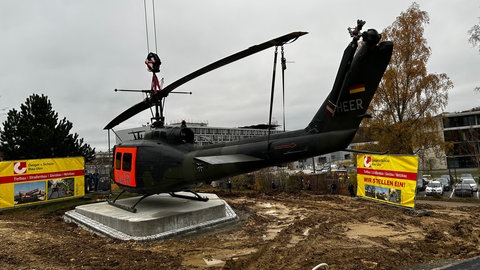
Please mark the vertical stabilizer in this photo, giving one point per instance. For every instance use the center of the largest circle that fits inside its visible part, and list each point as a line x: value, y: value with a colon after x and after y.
x: 359, y: 74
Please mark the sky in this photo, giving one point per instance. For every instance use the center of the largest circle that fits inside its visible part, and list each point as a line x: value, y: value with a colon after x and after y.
x: 77, y: 52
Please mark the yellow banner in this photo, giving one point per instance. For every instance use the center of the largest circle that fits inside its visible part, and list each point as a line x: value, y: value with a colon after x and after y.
x: 389, y: 179
x: 24, y: 182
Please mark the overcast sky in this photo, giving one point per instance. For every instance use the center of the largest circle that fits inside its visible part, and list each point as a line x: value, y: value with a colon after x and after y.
x: 78, y: 52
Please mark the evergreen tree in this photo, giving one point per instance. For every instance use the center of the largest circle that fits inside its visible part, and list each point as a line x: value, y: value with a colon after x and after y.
x: 35, y: 132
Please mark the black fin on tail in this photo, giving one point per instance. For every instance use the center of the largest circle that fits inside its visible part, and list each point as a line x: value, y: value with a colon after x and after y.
x: 359, y: 74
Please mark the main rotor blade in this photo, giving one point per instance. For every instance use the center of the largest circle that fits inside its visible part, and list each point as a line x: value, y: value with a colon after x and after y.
x: 229, y: 59
x: 150, y: 101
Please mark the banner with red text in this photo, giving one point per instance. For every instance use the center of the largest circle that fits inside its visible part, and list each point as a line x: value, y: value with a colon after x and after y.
x: 389, y: 179
x: 24, y: 182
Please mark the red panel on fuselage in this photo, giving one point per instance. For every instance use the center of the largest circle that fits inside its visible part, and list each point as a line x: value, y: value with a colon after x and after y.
x: 124, y: 166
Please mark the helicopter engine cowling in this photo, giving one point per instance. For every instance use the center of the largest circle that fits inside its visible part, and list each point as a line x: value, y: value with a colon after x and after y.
x: 173, y: 135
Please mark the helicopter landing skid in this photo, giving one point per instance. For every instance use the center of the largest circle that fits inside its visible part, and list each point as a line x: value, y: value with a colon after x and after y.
x: 197, y: 197
x: 131, y: 209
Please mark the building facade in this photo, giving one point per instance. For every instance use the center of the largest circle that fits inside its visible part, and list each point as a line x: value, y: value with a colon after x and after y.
x: 204, y: 134
x: 463, y: 130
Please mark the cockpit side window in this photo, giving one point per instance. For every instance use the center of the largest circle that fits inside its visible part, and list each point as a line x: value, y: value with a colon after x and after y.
x: 118, y: 161
x: 124, y: 167
x: 127, y: 162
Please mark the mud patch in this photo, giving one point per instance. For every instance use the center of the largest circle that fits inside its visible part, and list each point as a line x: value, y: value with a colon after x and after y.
x: 275, y: 232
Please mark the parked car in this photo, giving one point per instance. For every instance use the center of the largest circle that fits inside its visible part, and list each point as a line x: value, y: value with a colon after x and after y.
x: 427, y: 178
x: 421, y: 185
x: 434, y: 188
x: 463, y: 190
x: 471, y: 182
x: 446, y: 176
x: 104, y: 183
x: 97, y: 182
x: 466, y: 175
x: 445, y: 183
x: 450, y: 179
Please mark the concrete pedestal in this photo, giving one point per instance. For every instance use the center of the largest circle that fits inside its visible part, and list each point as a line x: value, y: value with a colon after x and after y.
x: 157, y: 217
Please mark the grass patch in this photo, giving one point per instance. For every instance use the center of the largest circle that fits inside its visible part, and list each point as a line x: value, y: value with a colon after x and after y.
x: 54, y: 206
x: 453, y: 199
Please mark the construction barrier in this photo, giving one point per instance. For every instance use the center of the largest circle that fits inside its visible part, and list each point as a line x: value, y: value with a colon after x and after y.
x: 26, y: 182
x: 389, y: 179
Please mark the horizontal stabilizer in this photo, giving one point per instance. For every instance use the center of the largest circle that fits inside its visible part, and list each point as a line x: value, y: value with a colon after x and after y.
x: 365, y: 152
x: 226, y: 159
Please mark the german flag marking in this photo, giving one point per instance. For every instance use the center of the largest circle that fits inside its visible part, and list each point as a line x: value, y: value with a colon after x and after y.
x: 331, y: 108
x: 357, y: 88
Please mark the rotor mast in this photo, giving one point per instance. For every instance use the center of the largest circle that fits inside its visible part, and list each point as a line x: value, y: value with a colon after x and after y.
x: 153, y: 65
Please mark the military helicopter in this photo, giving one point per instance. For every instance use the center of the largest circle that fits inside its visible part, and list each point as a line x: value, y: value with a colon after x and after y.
x: 167, y: 160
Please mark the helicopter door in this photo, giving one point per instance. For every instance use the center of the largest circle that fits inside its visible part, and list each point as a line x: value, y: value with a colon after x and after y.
x: 124, y: 166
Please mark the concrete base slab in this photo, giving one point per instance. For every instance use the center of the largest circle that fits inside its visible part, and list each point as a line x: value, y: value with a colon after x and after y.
x: 157, y: 217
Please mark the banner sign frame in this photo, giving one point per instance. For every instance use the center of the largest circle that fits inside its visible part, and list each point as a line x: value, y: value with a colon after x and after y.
x: 35, y: 181
x: 388, y: 179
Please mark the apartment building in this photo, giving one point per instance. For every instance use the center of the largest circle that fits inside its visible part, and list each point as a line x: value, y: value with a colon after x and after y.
x: 204, y: 134
x: 463, y: 130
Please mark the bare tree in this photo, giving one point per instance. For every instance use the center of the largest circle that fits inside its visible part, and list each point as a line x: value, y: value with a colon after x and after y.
x: 409, y: 99
x: 474, y: 39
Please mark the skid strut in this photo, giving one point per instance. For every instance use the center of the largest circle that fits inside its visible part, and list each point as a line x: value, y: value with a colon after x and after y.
x: 125, y: 207
x: 132, y: 208
x: 196, y: 196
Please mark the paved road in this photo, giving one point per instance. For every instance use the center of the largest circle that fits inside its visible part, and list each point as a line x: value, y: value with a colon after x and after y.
x: 470, y: 264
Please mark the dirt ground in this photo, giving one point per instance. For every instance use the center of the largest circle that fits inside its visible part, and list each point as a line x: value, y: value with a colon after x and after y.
x: 277, y: 231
